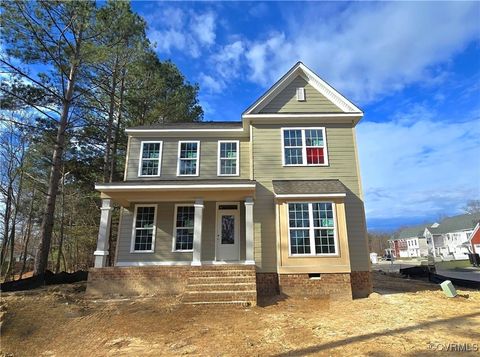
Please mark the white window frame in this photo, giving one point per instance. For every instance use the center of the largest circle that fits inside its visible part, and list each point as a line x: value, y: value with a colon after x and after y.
x: 174, y: 235
x: 311, y: 231
x: 197, y: 168
x: 140, y: 161
x: 304, y: 146
x: 300, y: 94
x: 134, y: 229
x: 220, y: 142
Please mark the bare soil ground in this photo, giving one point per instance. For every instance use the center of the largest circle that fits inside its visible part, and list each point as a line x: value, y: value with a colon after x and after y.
x: 404, y: 317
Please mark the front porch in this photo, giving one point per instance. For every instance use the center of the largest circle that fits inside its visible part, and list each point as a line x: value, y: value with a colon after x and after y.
x: 178, y: 223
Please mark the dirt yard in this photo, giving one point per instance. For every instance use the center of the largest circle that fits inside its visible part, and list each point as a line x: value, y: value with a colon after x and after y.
x: 404, y: 317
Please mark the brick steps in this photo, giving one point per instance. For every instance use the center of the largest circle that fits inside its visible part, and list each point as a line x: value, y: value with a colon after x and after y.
x: 224, y: 284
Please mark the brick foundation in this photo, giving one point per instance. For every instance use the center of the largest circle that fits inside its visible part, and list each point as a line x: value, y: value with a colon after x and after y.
x: 131, y: 281
x: 331, y: 285
x: 267, y: 284
x: 362, y: 284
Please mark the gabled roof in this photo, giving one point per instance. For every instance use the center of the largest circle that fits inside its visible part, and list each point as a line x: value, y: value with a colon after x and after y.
x: 314, y: 80
x: 200, y: 125
x: 413, y: 232
x: 459, y: 223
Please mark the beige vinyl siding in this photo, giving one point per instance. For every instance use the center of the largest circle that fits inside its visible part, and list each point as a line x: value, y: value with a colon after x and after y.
x: 267, y: 166
x: 286, y: 100
x: 208, y: 158
x: 164, y: 230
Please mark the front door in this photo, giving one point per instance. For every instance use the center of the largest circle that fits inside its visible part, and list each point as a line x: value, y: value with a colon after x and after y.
x: 228, y: 232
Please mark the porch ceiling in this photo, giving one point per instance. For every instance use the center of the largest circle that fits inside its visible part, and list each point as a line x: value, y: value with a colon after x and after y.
x: 127, y: 192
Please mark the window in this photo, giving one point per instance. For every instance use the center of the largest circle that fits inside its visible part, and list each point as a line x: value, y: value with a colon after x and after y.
x: 304, y: 147
x: 183, y: 232
x: 312, y: 228
x: 188, y: 158
x: 150, y: 158
x: 301, y: 94
x: 143, y: 239
x: 228, y: 157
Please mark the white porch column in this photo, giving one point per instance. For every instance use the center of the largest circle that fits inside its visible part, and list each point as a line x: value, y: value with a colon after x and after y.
x: 197, y: 233
x: 249, y: 254
x: 101, y: 253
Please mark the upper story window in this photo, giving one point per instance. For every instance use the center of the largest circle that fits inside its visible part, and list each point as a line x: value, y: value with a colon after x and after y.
x: 150, y: 158
x: 143, y: 239
x: 188, y: 157
x: 311, y: 227
x: 304, y: 147
x: 228, y: 157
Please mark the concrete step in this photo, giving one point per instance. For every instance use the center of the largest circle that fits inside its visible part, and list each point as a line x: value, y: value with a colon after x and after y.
x: 223, y: 267
x: 219, y: 296
x: 221, y: 287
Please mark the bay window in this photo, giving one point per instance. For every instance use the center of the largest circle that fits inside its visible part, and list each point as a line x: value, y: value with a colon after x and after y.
x: 311, y: 227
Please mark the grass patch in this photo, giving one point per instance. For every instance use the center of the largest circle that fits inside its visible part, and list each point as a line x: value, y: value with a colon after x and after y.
x: 453, y: 264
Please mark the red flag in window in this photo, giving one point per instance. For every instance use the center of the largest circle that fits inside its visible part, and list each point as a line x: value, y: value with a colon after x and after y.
x: 315, y: 156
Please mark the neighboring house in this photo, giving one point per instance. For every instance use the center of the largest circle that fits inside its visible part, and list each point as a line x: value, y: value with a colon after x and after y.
x: 275, y: 199
x: 475, y: 240
x: 410, y: 242
x: 448, y: 239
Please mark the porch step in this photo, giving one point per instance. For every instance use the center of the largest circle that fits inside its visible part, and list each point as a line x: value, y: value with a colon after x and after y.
x: 220, y: 287
x: 223, y: 284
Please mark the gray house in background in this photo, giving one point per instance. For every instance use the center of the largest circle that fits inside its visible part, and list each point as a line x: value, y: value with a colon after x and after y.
x: 221, y: 211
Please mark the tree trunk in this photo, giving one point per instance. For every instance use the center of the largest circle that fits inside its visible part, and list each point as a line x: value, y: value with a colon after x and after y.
x: 111, y: 114
x: 28, y: 235
x: 46, y: 228
x: 62, y: 225
x: 6, y: 222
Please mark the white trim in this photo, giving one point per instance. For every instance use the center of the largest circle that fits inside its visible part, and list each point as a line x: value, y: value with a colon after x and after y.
x: 100, y: 252
x: 180, y: 130
x: 300, y: 94
x: 311, y: 232
x: 311, y: 195
x: 313, y: 115
x: 220, y: 142
x: 314, y: 80
x: 140, y: 160
x: 186, y: 186
x: 304, y: 146
x: 197, y: 167
x: 174, y: 235
x: 132, y: 243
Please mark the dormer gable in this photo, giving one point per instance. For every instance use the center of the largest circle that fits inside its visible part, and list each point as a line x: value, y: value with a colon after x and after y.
x: 300, y: 92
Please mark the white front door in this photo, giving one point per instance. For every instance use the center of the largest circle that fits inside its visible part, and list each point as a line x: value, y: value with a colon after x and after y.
x: 228, y: 232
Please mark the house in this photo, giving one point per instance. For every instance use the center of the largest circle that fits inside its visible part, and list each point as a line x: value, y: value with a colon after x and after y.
x: 475, y: 239
x: 415, y: 244
x: 273, y: 202
x: 448, y: 238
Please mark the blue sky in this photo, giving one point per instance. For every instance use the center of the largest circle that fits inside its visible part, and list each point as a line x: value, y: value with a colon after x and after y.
x: 414, y: 68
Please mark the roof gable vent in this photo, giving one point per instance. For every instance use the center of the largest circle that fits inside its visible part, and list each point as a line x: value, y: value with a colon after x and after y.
x: 301, y: 94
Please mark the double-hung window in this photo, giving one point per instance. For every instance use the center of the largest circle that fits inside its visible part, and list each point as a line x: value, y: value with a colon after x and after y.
x: 150, y: 158
x: 183, y: 230
x: 304, y: 147
x: 228, y: 156
x: 311, y: 228
x: 143, y: 239
x: 188, y: 156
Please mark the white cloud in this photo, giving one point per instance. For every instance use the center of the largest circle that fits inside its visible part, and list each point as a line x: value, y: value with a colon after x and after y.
x: 211, y: 84
x: 421, y: 167
x: 175, y: 34
x: 227, y: 60
x: 368, y: 50
x: 203, y: 27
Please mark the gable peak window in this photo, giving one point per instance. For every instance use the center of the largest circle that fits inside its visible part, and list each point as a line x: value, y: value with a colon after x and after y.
x: 304, y: 147
x: 150, y: 158
x: 188, y: 157
x: 301, y: 94
x: 228, y: 158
